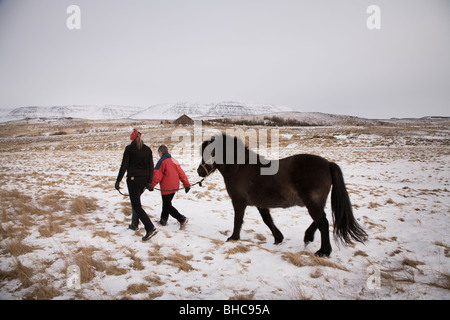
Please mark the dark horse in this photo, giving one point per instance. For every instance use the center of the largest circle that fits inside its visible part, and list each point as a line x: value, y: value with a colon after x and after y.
x: 302, y: 180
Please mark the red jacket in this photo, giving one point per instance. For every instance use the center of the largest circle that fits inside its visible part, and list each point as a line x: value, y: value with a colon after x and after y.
x: 168, y: 174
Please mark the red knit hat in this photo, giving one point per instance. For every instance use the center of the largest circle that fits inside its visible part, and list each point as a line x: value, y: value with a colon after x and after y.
x: 135, y: 134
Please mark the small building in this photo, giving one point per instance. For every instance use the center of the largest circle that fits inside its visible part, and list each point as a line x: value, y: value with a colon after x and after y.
x: 184, y: 120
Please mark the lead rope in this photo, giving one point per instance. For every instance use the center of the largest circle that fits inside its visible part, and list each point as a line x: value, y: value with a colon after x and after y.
x: 191, y: 185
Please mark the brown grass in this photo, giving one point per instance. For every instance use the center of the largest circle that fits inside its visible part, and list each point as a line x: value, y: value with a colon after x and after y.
x: 317, y: 273
x: 412, y: 263
x: 297, y: 290
x: 16, y: 247
x: 238, y: 249
x: 442, y: 280
x: 135, y: 288
x: 83, y: 205
x: 306, y: 258
x: 260, y: 237
x: 181, y: 261
x: 43, y: 291
x: 21, y: 208
x: 154, y: 280
x: 114, y: 270
x: 155, y: 255
x: 446, y: 248
x: 155, y: 294
x: 22, y: 273
x: 87, y: 263
x: 360, y: 253
x: 50, y: 228
x: 243, y: 296
x: 136, y: 261
x: 54, y: 202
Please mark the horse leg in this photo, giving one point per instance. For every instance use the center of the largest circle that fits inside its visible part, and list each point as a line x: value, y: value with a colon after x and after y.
x: 321, y: 222
x: 239, y: 209
x: 267, y: 218
x: 309, y: 233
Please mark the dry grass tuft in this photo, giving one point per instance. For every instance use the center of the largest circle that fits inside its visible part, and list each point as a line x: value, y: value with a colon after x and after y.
x: 260, y: 237
x: 43, y: 291
x: 243, y: 296
x: 155, y: 255
x: 20, y: 272
x: 115, y: 270
x: 238, y: 249
x: 308, y: 259
x: 181, y: 261
x: 360, y: 253
x: 155, y: 294
x: 82, y: 205
x: 16, y: 247
x: 137, y: 262
x: 446, y: 248
x: 442, y: 281
x: 412, y: 263
x: 84, y: 259
x: 135, y: 289
x: 54, y: 202
x: 50, y: 228
x: 297, y: 290
x: 154, y: 280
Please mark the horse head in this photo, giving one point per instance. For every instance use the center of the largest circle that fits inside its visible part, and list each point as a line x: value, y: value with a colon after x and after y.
x: 208, y: 164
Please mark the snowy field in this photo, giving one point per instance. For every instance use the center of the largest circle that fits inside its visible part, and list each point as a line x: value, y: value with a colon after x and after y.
x: 59, y: 209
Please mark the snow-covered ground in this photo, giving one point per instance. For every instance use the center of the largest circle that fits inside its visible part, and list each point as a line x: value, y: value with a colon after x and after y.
x: 59, y: 209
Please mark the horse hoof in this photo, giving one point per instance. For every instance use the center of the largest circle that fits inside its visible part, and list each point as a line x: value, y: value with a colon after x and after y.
x: 308, y: 239
x: 278, y: 241
x: 232, y: 239
x: 322, y: 254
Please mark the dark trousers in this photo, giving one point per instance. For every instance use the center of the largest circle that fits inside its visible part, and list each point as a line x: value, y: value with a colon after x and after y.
x: 168, y: 208
x: 135, y: 188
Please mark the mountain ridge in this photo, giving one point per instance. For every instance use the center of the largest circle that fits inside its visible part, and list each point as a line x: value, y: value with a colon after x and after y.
x: 165, y: 111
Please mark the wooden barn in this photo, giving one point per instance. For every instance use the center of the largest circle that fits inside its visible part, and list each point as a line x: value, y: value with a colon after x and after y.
x: 184, y: 120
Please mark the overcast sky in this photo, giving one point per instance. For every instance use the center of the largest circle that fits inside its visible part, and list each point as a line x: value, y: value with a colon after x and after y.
x: 316, y: 55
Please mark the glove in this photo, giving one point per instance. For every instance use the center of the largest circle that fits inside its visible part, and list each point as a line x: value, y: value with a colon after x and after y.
x: 149, y: 187
x: 186, y: 189
x: 117, y: 185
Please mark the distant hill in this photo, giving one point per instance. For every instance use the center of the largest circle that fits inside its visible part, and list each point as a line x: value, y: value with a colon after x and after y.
x: 222, y: 109
x: 79, y: 112
x: 234, y: 111
x: 160, y: 111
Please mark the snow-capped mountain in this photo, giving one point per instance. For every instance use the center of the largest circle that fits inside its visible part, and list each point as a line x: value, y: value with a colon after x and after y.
x: 81, y: 112
x: 160, y: 111
x: 173, y: 111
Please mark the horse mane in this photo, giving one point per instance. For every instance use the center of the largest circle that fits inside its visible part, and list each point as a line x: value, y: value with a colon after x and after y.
x: 238, y: 144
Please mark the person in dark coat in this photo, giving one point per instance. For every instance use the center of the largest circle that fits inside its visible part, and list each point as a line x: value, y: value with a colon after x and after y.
x: 137, y: 161
x: 168, y: 174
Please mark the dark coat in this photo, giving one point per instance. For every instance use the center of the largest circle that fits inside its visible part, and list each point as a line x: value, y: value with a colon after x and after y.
x: 137, y: 163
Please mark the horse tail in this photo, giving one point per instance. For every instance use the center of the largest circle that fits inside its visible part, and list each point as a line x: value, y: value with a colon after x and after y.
x: 346, y: 227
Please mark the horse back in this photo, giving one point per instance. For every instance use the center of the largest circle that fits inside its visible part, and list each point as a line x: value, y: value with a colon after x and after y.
x: 300, y: 180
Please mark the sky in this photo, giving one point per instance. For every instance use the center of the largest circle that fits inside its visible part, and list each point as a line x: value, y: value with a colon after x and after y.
x: 314, y: 56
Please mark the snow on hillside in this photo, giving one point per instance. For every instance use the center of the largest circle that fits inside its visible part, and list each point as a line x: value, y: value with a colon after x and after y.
x: 159, y: 111
x: 81, y: 112
x: 308, y: 118
x: 222, y: 109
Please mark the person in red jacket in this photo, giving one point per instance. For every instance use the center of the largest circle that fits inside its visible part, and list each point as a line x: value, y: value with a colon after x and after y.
x: 168, y: 174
